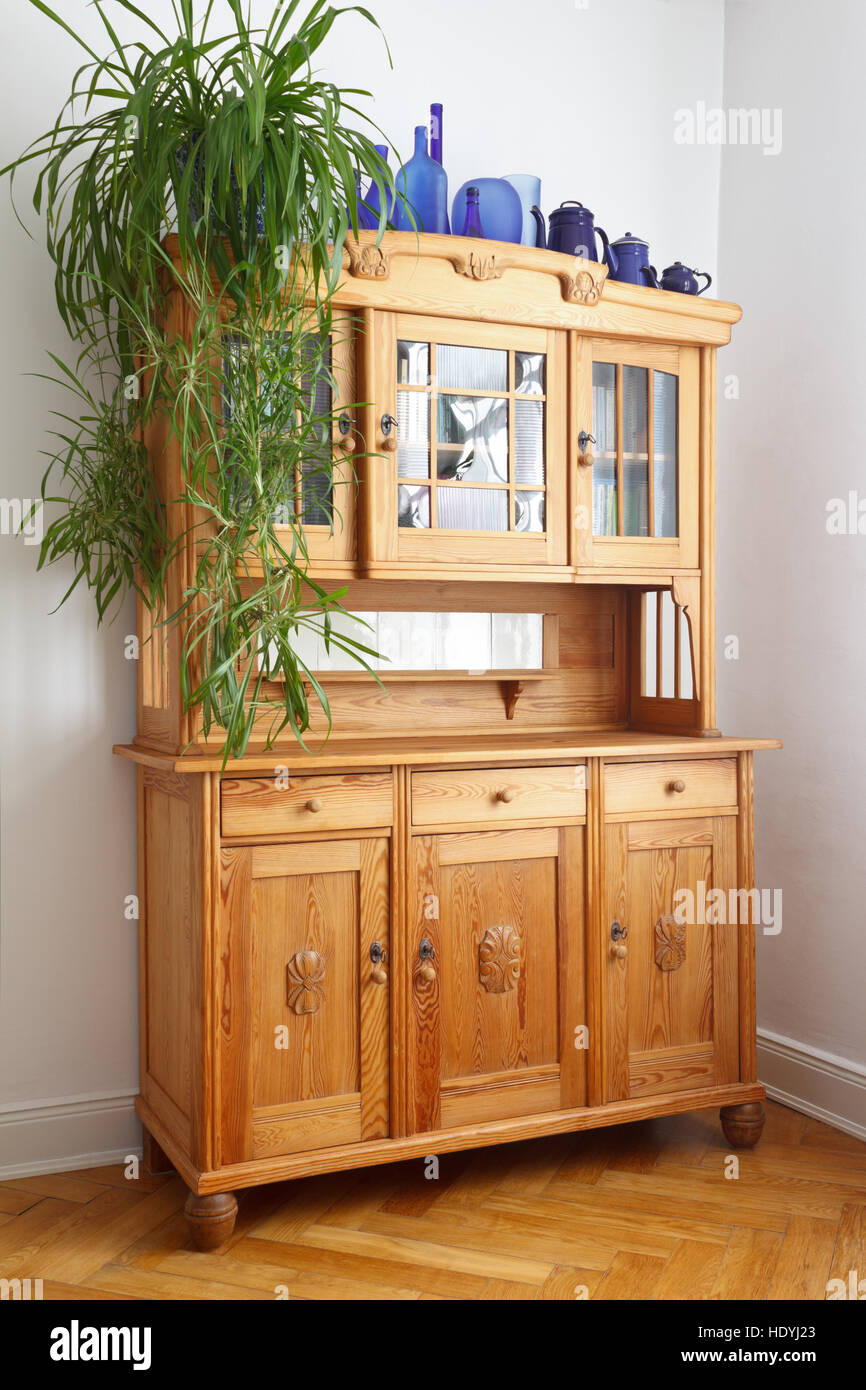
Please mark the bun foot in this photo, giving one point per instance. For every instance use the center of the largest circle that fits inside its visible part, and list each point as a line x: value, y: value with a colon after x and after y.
x: 210, y: 1218
x: 743, y: 1124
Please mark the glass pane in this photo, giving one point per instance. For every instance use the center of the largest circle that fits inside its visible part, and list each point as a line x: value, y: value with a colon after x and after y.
x: 529, y: 442
x: 604, y: 449
x: 413, y: 506
x: 471, y: 369
x: 665, y: 453
x: 472, y: 439
x: 529, y: 511
x: 529, y: 373
x: 635, y: 460
x: 472, y: 509
x: 413, y: 363
x: 413, y: 434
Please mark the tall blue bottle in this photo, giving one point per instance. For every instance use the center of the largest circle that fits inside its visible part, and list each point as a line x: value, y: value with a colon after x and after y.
x: 423, y: 185
x: 436, y: 143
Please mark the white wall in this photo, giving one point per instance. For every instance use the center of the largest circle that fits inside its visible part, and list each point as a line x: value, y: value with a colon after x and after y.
x: 585, y: 98
x: 790, y: 231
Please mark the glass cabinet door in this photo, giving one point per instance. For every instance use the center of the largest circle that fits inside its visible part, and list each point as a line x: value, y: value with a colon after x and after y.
x: 321, y: 493
x: 479, y: 467
x: 637, y: 478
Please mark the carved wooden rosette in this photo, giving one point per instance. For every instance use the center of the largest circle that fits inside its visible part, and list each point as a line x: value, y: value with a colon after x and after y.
x: 366, y: 261
x: 304, y: 975
x: 670, y: 943
x: 584, y: 286
x: 499, y: 959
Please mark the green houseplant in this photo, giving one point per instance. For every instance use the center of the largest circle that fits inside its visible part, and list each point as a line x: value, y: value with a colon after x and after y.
x: 234, y: 145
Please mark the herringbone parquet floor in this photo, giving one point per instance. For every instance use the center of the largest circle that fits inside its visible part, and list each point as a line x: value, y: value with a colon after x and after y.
x: 635, y: 1212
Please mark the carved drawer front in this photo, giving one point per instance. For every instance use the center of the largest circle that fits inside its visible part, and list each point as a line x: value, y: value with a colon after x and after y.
x: 266, y: 805
x: 498, y: 794
x: 635, y: 788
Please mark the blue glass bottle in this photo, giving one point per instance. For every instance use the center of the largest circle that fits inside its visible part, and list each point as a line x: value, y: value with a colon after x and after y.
x: 363, y: 217
x: 422, y: 185
x: 371, y: 197
x: 436, y: 144
x: 472, y: 221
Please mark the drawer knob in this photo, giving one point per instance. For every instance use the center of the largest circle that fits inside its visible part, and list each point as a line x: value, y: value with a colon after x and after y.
x: 677, y: 786
x: 314, y: 804
x: 505, y: 794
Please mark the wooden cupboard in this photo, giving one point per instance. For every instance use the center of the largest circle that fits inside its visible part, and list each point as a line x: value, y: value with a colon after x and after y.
x: 487, y: 907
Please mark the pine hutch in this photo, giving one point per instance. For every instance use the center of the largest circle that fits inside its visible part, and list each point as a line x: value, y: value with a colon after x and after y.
x: 455, y: 923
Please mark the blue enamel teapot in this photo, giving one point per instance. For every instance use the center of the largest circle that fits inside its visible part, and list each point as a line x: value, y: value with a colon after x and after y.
x: 572, y: 231
x: 628, y: 259
x: 679, y: 279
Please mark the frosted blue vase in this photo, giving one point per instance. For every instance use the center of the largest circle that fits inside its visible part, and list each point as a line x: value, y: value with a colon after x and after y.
x: 372, y: 199
x: 422, y: 186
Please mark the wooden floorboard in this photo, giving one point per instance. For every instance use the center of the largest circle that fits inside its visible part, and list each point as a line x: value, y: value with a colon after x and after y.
x: 647, y: 1211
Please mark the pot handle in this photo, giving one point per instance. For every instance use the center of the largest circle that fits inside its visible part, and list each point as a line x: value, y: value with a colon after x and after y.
x: 708, y: 278
x: 651, y: 276
x: 608, y: 254
x: 540, y: 234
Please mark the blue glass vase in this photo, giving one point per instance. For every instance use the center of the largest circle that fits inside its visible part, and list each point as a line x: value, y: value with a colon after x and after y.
x: 371, y: 197
x: 422, y: 186
x: 363, y: 216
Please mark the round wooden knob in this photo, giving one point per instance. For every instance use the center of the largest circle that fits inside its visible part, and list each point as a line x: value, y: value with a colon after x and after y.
x: 389, y: 443
x: 619, y: 949
x: 314, y: 804
x: 426, y: 971
x: 586, y: 460
x: 378, y: 976
x: 347, y: 444
x: 677, y: 786
x: 506, y: 794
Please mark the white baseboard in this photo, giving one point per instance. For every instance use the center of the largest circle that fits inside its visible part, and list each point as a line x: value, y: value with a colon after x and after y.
x: 92, y: 1131
x: 819, y: 1084
x: 57, y: 1136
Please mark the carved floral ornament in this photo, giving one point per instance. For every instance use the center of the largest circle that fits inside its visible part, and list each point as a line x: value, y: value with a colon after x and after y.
x: 304, y: 975
x: 670, y: 943
x: 499, y: 959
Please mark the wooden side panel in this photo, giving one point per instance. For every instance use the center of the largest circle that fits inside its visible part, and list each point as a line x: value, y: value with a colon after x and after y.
x: 746, y: 880
x: 235, y: 1021
x: 173, y: 848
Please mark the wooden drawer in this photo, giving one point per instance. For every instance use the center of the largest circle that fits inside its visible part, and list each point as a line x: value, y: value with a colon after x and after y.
x: 634, y: 788
x: 259, y: 806
x: 491, y: 795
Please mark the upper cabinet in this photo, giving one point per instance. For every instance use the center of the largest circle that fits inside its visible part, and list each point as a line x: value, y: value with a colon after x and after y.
x: 471, y: 421
x: 637, y: 421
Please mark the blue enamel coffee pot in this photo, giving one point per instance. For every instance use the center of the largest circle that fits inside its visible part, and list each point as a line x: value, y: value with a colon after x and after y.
x: 680, y: 279
x: 628, y: 259
x: 572, y: 231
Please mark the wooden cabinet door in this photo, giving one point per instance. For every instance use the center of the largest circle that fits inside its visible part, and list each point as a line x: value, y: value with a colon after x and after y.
x: 637, y: 502
x: 496, y: 976
x: 302, y: 1015
x: 478, y: 475
x: 671, y: 1018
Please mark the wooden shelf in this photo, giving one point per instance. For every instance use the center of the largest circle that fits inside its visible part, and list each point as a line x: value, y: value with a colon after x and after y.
x: 513, y: 683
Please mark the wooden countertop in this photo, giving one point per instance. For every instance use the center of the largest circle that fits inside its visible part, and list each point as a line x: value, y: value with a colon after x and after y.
x: 614, y: 743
